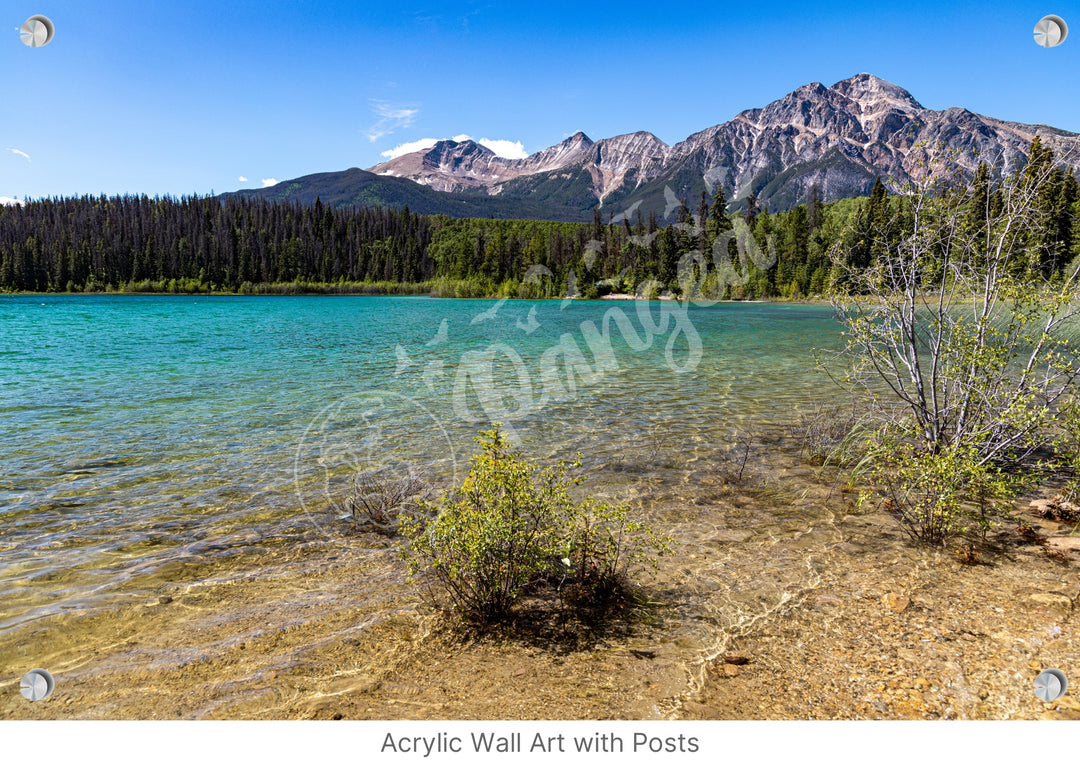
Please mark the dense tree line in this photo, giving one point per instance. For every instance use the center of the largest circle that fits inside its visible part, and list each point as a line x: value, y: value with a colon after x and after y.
x: 99, y: 243
x: 207, y: 244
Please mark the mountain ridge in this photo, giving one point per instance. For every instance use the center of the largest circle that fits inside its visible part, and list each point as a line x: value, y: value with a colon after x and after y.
x: 839, y: 138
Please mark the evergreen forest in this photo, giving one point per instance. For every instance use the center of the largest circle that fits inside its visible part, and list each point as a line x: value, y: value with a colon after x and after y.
x: 246, y: 245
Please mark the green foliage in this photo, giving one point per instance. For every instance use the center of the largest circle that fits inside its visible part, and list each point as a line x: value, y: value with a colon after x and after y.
x: 1067, y: 446
x: 287, y: 240
x: 510, y: 525
x: 958, y: 339
x: 603, y: 548
x: 468, y: 288
x: 938, y: 494
x: 650, y: 289
x: 494, y: 534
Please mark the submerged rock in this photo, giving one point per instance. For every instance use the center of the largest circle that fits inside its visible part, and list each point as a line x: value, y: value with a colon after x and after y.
x: 1055, y: 508
x: 895, y: 602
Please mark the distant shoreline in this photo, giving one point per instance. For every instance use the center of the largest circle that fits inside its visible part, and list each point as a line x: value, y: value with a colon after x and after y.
x: 331, y: 291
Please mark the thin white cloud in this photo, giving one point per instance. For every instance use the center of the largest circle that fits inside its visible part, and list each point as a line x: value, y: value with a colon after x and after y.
x: 7, y: 200
x: 242, y: 179
x: 391, y: 119
x: 507, y: 149
x: 267, y: 182
x: 24, y: 154
x: 415, y: 145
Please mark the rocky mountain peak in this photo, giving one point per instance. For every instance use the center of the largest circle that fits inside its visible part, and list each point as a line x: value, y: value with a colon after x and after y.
x: 577, y: 142
x: 838, y: 138
x: 633, y: 144
x: 872, y: 93
x: 570, y: 151
x: 454, y: 152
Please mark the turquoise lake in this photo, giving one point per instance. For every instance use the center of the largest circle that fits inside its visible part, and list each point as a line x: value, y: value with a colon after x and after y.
x: 141, y: 432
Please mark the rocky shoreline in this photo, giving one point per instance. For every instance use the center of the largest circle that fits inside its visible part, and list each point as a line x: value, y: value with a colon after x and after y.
x: 784, y: 601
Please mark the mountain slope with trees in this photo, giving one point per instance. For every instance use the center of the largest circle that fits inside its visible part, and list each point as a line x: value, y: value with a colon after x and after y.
x: 838, y: 139
x: 240, y: 244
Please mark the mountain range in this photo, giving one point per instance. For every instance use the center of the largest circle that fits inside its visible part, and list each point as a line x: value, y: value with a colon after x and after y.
x: 839, y: 138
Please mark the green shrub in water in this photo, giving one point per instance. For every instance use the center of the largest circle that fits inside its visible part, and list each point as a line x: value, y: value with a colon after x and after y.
x: 511, y: 526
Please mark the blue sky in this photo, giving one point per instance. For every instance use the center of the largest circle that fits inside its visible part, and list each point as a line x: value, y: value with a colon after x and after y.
x: 188, y: 97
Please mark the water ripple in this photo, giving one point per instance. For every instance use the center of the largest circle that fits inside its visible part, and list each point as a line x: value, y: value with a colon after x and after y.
x: 140, y: 432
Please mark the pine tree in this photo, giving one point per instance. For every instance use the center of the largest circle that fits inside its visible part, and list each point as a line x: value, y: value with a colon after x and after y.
x: 702, y: 223
x: 752, y: 209
x: 668, y: 255
x: 814, y: 207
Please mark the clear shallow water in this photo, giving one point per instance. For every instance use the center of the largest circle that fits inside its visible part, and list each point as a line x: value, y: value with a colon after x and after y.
x: 139, y: 432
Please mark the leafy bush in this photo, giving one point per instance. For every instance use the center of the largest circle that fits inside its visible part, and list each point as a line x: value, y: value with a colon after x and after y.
x: 649, y: 289
x: 958, y: 319
x: 934, y: 495
x: 492, y: 535
x: 603, y: 549
x: 511, y: 525
x: 1067, y: 446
